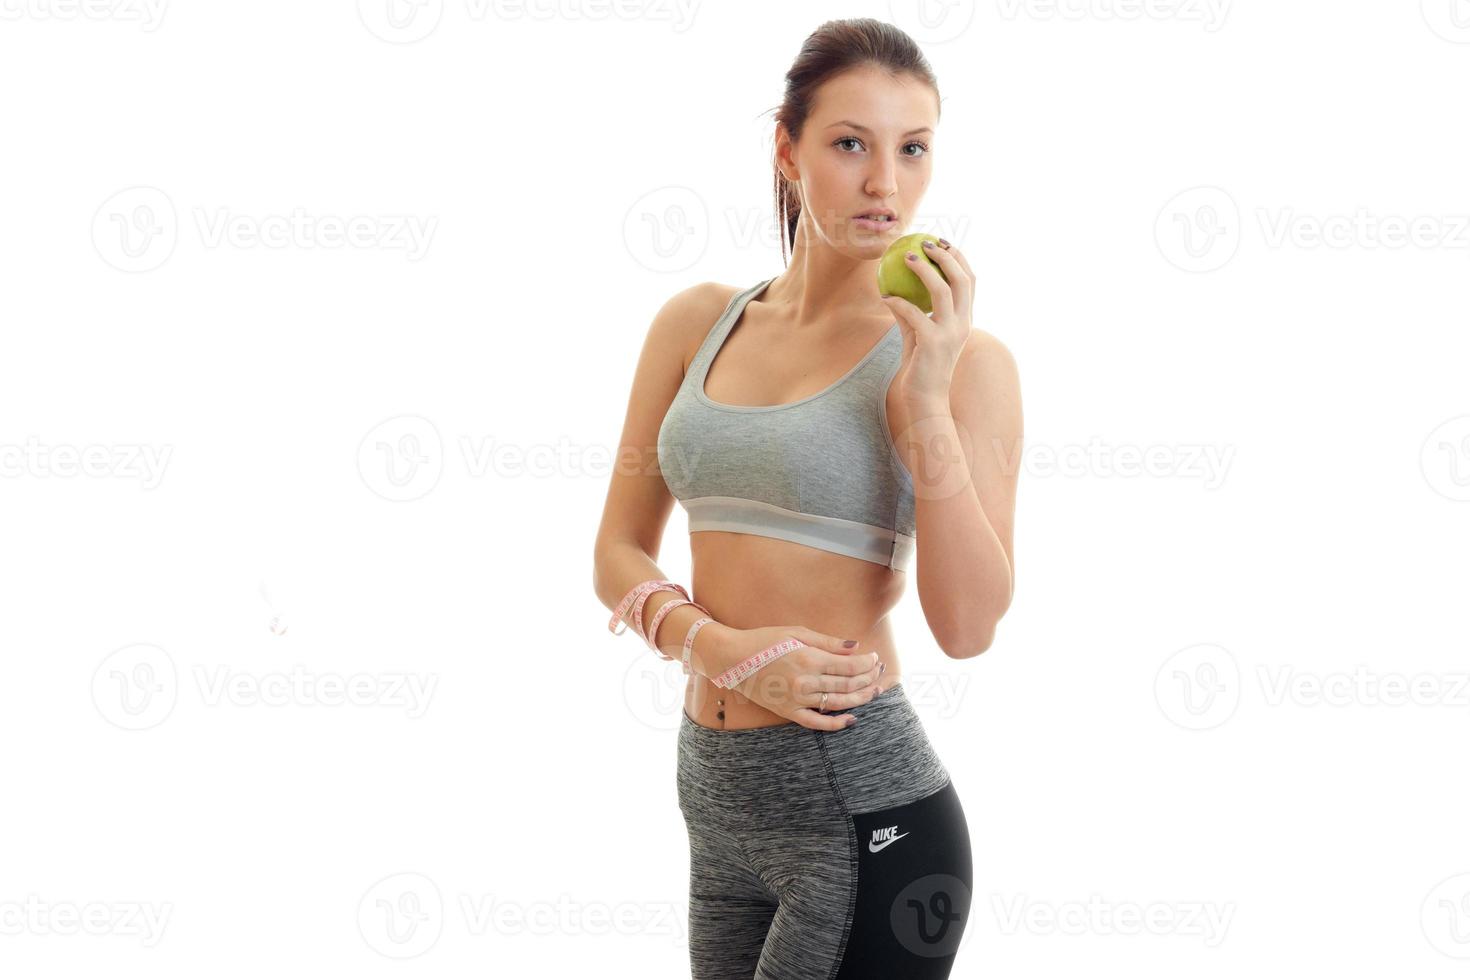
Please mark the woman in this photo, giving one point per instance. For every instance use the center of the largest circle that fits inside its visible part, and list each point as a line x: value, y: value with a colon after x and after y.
x: 826, y: 838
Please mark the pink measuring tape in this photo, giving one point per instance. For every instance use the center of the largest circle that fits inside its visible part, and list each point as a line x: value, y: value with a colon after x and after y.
x: 639, y: 594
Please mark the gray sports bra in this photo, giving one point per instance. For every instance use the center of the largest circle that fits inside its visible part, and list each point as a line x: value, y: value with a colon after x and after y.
x: 821, y: 471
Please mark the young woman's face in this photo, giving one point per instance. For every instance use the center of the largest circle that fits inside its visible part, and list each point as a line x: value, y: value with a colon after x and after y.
x: 866, y: 145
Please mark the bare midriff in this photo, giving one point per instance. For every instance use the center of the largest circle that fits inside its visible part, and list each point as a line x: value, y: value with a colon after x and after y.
x: 748, y: 581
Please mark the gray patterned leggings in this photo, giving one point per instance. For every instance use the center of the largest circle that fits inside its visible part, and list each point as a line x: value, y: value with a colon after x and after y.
x: 823, y: 855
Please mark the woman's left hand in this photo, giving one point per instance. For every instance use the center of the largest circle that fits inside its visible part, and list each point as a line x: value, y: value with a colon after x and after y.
x: 932, y: 343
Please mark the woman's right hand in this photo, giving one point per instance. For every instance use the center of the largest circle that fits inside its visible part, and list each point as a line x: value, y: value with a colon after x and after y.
x: 792, y: 684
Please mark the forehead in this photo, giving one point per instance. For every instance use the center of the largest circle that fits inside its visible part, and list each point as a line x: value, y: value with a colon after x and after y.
x: 872, y: 98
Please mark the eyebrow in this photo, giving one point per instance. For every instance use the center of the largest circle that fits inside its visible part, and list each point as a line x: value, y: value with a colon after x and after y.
x: 861, y: 128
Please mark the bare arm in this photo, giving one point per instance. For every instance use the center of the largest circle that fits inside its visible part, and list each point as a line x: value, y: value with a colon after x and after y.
x: 965, y: 501
x: 638, y: 501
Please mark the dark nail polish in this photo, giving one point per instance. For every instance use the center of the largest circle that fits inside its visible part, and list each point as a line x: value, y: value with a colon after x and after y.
x: 928, y: 244
x: 849, y: 643
x: 850, y: 723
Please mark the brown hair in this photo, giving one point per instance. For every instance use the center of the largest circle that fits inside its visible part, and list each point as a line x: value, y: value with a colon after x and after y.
x: 835, y: 47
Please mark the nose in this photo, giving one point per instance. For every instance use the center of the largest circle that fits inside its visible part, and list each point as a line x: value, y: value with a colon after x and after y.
x: 882, y: 178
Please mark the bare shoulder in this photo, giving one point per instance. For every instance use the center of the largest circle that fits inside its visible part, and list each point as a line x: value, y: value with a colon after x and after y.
x: 686, y: 317
x: 986, y: 369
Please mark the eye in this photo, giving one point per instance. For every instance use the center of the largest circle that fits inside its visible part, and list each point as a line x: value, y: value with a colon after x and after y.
x: 919, y: 143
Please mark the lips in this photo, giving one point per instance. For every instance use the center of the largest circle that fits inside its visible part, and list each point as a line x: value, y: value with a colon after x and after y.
x: 874, y: 224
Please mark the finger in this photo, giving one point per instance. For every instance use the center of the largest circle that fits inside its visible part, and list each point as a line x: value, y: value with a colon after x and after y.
x: 961, y: 283
x: 811, y: 718
x: 953, y: 250
x: 822, y: 641
x: 910, y: 318
x: 845, y: 684
x: 851, y: 699
x: 849, y: 666
x: 940, y: 296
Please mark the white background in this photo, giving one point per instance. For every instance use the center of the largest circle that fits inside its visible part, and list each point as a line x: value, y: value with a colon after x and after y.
x: 381, y: 462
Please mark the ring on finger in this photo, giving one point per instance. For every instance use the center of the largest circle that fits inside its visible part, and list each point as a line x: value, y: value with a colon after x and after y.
x: 822, y: 705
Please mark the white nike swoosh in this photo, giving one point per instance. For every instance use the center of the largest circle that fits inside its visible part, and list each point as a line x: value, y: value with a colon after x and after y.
x: 875, y: 848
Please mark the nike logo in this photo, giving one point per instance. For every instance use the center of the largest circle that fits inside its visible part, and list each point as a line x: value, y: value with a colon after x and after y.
x: 882, y: 838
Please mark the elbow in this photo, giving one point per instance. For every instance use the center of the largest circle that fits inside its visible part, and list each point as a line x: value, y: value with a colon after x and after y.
x: 970, y: 645
x: 973, y: 638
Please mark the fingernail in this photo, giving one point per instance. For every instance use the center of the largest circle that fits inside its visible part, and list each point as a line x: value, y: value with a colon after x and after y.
x: 850, y: 723
x: 882, y: 667
x: 927, y: 243
x: 912, y: 257
x: 849, y: 643
x: 943, y: 243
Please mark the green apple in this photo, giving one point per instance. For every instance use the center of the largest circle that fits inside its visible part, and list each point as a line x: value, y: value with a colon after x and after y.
x: 896, y: 278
